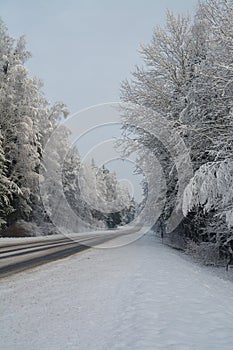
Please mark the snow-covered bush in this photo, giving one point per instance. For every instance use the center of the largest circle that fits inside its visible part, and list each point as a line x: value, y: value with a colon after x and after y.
x: 205, y: 252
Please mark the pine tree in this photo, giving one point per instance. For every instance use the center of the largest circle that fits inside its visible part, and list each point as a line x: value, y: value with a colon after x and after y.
x: 7, y: 189
x: 26, y: 122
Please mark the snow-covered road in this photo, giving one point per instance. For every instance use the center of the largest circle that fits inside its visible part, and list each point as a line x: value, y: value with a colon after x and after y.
x: 142, y: 296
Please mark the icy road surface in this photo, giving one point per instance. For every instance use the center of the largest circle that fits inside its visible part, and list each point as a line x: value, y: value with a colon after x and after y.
x: 142, y: 296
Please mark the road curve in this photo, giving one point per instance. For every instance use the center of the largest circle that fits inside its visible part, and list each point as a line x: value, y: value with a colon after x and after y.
x: 21, y: 255
x: 16, y: 257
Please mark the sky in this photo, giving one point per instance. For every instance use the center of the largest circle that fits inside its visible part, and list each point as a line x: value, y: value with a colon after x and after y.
x: 82, y: 50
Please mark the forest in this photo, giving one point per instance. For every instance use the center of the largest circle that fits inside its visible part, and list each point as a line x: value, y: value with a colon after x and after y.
x: 28, y: 121
x: 187, y: 82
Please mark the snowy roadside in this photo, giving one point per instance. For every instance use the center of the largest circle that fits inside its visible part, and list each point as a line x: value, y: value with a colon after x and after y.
x: 219, y: 271
x: 141, y: 296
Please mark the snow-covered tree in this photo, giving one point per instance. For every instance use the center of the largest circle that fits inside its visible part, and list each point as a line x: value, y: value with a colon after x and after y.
x: 108, y: 201
x: 187, y: 80
x: 20, y: 132
x: 26, y: 120
x: 160, y: 88
x: 7, y: 189
x: 210, y: 190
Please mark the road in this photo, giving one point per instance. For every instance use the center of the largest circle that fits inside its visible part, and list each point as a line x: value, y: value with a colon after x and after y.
x: 21, y: 255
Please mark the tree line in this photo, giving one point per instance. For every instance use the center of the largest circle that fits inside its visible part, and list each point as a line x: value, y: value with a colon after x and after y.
x: 187, y: 79
x: 27, y: 121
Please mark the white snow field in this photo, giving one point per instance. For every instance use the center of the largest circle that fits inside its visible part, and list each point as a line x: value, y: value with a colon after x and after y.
x: 141, y: 296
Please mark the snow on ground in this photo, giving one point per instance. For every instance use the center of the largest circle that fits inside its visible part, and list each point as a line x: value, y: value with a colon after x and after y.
x: 141, y: 296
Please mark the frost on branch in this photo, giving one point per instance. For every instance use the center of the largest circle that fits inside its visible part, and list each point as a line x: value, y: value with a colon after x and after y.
x: 212, y: 189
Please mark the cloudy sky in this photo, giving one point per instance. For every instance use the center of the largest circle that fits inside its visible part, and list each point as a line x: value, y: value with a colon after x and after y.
x: 83, y: 49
